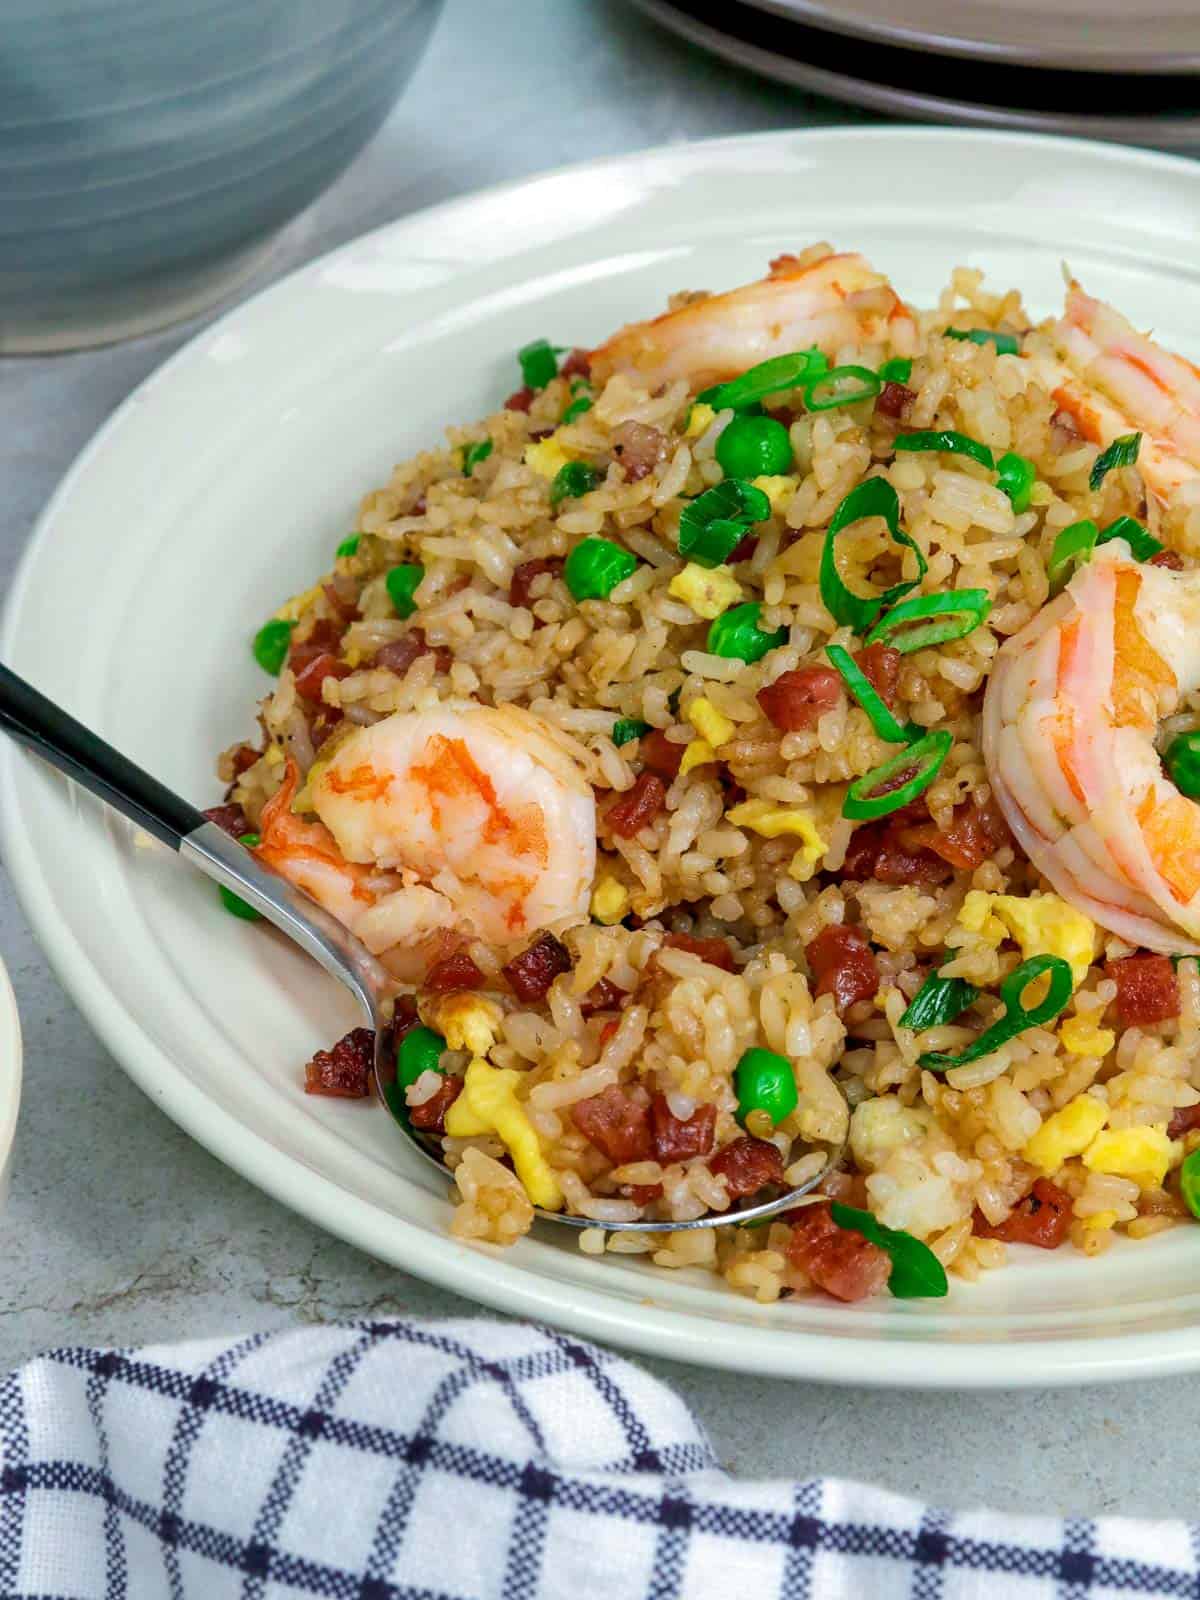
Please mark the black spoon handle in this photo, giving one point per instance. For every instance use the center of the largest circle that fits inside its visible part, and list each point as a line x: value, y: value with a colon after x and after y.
x: 66, y: 744
x: 46, y: 728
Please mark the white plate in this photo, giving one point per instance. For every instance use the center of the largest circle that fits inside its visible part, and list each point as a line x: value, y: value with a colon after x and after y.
x: 225, y: 482
x: 10, y: 1077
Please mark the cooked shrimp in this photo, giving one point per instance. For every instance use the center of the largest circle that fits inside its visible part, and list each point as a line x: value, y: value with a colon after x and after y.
x: 482, y: 812
x: 836, y: 302
x: 1069, y: 722
x: 305, y: 854
x: 1114, y: 380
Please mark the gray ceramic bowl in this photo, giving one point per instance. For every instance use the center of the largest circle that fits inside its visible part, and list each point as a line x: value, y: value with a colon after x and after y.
x: 150, y: 149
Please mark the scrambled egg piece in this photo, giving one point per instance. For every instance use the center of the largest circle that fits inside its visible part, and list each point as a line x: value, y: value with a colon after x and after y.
x: 1042, y: 924
x: 1143, y: 1154
x: 696, y: 754
x: 709, y: 593
x: 298, y: 605
x: 1067, y: 1133
x: 778, y: 490
x: 699, y: 420
x: 1082, y: 1037
x: 771, y: 821
x: 609, y: 899
x: 488, y: 1104
x: 467, y: 1022
x: 547, y: 457
x: 711, y: 724
x: 1099, y: 1220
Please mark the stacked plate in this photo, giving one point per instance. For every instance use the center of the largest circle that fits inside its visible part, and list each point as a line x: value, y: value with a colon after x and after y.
x: 1103, y: 69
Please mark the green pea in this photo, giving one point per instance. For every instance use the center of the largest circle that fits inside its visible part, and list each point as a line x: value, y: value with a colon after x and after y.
x: 1182, y: 762
x: 348, y: 547
x: 271, y: 645
x: 765, y: 1082
x: 420, y: 1051
x: 402, y: 584
x: 233, y: 903
x: 737, y: 635
x: 539, y: 363
x: 571, y: 481
x: 1189, y: 1183
x: 595, y: 567
x: 752, y: 447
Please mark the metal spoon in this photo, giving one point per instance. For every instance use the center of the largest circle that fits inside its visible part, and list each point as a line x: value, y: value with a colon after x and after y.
x: 46, y: 728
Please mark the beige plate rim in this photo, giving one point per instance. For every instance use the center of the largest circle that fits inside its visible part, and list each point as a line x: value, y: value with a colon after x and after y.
x: 1065, y: 34
x: 1176, y: 133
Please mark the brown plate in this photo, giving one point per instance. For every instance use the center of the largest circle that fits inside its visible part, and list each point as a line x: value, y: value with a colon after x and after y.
x: 1088, y: 35
x: 1161, y: 109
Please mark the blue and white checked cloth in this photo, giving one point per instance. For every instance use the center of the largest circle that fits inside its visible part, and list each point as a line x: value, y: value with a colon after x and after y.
x: 441, y: 1461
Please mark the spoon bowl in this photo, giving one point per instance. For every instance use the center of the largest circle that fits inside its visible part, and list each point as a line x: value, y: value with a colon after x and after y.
x: 36, y: 722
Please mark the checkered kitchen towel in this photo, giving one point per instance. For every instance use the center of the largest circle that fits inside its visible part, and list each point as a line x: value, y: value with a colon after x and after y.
x: 437, y: 1461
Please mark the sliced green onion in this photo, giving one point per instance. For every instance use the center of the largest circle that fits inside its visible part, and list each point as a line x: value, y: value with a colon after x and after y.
x: 576, y: 409
x: 916, y: 1273
x: 1015, y: 475
x: 595, y: 568
x: 348, y: 547
x: 626, y: 729
x: 708, y: 523
x: 572, y: 480
x: 768, y: 377
x: 1142, y: 545
x: 539, y: 363
x: 958, y: 444
x: 271, y: 645
x: 1007, y: 344
x: 841, y: 386
x: 473, y: 454
x: 1122, y: 452
x: 897, y: 370
x: 864, y: 691
x: 961, y: 611
x: 402, y: 584
x: 865, y: 797
x: 1016, y: 1018
x: 736, y: 634
x: 938, y: 1000
x: 1072, y: 547
x: 874, y: 498
x: 233, y: 903
x: 578, y: 385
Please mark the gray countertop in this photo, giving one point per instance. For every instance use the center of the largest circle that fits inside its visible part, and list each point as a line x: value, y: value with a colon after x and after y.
x: 119, y: 1229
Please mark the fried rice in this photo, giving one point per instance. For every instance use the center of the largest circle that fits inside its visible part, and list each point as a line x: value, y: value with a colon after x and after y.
x: 706, y: 934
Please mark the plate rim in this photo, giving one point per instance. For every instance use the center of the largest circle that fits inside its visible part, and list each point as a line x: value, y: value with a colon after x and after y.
x: 481, y: 1274
x: 822, y: 14
x: 11, y: 1069
x: 889, y: 99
